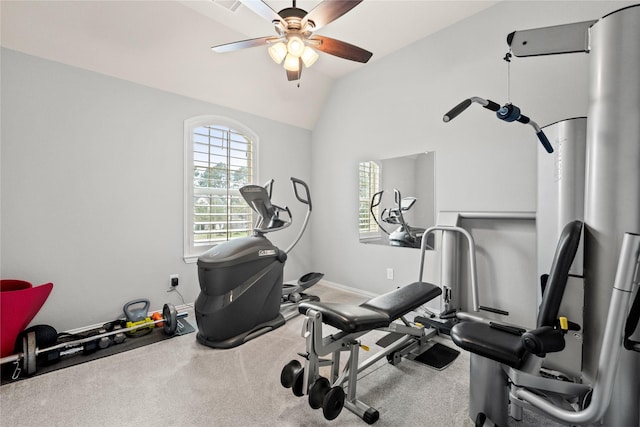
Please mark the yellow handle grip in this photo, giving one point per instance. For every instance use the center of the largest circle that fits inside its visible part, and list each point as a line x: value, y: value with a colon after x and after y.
x: 564, y: 323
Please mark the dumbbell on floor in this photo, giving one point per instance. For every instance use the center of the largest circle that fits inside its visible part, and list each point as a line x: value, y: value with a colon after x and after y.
x: 321, y: 394
x: 30, y: 350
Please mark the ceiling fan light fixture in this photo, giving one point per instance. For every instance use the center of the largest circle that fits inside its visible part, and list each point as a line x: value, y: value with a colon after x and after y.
x: 309, y: 56
x: 295, y: 46
x: 278, y: 52
x: 292, y: 63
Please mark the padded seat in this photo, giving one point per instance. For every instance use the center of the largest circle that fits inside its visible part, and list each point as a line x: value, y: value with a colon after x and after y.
x: 506, y: 346
x: 495, y: 344
x: 378, y: 312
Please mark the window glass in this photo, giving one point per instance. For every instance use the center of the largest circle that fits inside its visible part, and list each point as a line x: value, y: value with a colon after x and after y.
x: 369, y: 185
x: 219, y: 160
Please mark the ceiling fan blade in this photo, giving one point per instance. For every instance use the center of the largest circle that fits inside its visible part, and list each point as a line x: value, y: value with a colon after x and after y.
x: 342, y: 49
x: 261, y: 8
x: 295, y: 75
x: 328, y: 11
x: 242, y: 44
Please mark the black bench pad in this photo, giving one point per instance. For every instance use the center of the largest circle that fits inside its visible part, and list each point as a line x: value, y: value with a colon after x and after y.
x: 376, y: 313
x: 495, y: 344
x: 347, y: 317
x: 402, y: 300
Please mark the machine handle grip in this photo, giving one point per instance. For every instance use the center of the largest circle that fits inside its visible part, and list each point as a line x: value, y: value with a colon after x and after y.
x: 453, y: 113
x: 493, y: 106
x: 544, y: 141
x: 307, y: 199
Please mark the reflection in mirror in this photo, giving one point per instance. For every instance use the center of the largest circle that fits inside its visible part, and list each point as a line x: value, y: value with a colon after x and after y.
x: 397, y: 200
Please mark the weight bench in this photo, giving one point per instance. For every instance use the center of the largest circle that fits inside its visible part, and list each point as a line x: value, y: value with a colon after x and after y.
x: 353, y: 321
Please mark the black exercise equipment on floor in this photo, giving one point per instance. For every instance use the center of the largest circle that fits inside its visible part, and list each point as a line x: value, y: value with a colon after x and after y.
x: 241, y: 280
x: 41, y: 349
x: 403, y: 235
x: 353, y: 321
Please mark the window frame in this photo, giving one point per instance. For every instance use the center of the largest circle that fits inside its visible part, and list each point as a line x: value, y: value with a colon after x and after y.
x: 191, y: 252
x: 373, y: 231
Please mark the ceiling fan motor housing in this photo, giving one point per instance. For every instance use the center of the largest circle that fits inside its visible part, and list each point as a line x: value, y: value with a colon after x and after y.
x: 293, y: 17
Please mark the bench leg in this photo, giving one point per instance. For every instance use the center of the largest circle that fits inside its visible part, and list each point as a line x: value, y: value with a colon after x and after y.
x: 369, y: 414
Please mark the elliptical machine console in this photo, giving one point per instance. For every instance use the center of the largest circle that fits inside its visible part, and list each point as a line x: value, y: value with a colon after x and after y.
x: 241, y: 280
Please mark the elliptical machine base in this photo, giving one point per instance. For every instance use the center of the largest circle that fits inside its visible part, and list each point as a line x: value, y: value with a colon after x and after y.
x: 242, y: 338
x: 241, y: 280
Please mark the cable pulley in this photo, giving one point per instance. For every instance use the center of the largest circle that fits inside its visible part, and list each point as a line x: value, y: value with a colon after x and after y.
x: 508, y: 113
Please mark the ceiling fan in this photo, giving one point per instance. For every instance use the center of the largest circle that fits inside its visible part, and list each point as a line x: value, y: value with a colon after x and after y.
x: 295, y: 43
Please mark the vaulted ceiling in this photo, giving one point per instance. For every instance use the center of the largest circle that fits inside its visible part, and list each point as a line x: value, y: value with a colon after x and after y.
x: 166, y: 45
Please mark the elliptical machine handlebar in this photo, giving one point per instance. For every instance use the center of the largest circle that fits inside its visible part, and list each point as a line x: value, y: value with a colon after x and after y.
x: 307, y: 200
x: 398, y: 199
x: 508, y: 112
x: 375, y: 202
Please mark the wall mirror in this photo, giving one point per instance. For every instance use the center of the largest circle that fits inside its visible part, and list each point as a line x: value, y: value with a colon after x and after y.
x: 397, y: 200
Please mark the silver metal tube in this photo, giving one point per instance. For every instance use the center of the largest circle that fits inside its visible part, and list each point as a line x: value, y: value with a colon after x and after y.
x: 535, y: 126
x: 611, y: 344
x: 472, y: 257
x: 612, y: 190
x: 479, y: 100
x: 301, y: 232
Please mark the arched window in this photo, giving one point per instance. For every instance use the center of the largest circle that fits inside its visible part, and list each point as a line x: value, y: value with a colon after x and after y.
x: 219, y: 159
x: 369, y: 185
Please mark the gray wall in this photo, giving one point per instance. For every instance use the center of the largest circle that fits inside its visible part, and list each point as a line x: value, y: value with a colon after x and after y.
x: 91, y: 166
x: 394, y: 107
x: 92, y: 187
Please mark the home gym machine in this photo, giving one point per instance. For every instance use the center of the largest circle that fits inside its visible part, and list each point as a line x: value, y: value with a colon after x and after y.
x: 608, y: 389
x: 506, y: 360
x: 241, y: 280
x: 404, y: 235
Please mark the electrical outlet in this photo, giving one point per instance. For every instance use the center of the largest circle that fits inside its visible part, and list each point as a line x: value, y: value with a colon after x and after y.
x: 390, y: 273
x: 173, y: 280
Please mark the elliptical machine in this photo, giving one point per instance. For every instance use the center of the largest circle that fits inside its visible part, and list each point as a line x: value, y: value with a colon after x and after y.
x: 241, y: 280
x: 404, y: 235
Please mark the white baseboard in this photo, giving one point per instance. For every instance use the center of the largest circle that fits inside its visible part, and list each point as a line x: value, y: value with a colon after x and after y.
x: 348, y: 288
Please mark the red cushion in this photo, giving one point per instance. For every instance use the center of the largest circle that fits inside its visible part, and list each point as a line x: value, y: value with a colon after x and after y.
x: 19, y: 303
